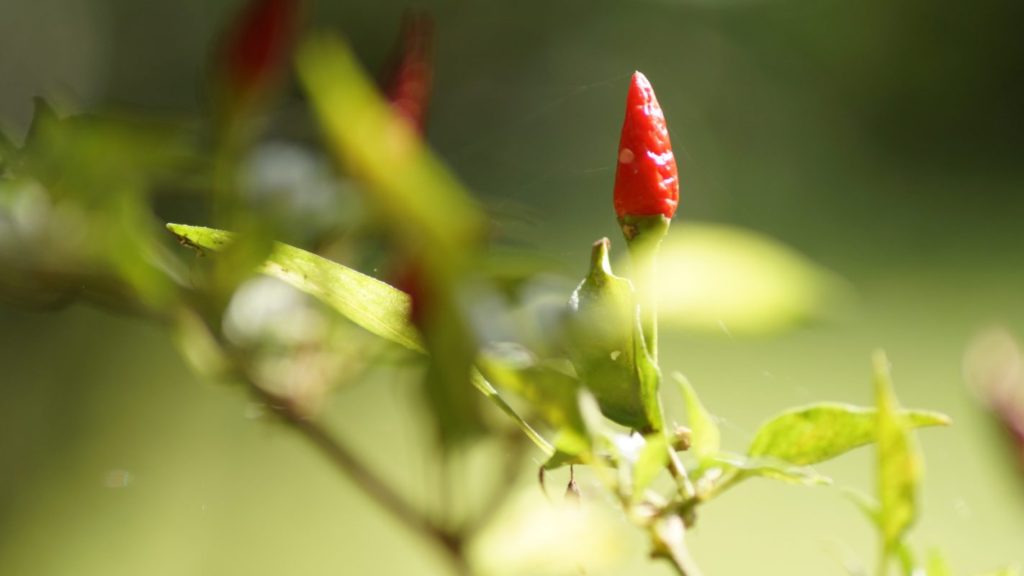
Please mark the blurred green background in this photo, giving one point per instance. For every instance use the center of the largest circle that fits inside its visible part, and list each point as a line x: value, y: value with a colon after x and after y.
x: 882, y: 139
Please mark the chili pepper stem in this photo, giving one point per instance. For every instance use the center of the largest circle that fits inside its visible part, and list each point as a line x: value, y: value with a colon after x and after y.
x: 643, y: 237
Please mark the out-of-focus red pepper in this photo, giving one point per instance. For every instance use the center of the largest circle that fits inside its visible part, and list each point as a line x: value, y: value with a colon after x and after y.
x: 409, y: 83
x: 257, y: 48
x: 410, y: 280
x: 646, y: 180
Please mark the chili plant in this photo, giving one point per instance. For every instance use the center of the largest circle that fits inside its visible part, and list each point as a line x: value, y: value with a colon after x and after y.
x: 585, y: 391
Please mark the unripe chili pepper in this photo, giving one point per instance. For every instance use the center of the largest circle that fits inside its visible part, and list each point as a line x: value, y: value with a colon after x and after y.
x: 410, y: 80
x: 646, y: 179
x: 257, y: 48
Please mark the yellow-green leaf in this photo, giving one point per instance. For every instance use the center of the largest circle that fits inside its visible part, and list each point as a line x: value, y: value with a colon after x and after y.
x: 374, y: 305
x: 366, y: 301
x: 899, y: 463
x: 706, y: 436
x: 819, y: 432
x: 715, y: 278
x: 937, y: 565
x: 651, y: 461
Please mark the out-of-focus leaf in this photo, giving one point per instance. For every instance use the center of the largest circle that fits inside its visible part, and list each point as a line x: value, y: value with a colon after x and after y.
x: 366, y: 301
x: 706, y: 438
x: 601, y: 326
x: 768, y: 468
x: 820, y: 432
x: 532, y: 535
x: 425, y: 205
x: 908, y: 560
x: 551, y: 393
x: 93, y: 222
x: 651, y: 461
x: 43, y: 118
x: 937, y: 565
x: 485, y: 388
x: 899, y: 463
x: 561, y: 458
x: 716, y: 278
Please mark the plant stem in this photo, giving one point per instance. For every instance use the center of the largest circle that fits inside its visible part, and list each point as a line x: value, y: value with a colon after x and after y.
x: 643, y: 237
x: 883, y: 559
x: 668, y: 534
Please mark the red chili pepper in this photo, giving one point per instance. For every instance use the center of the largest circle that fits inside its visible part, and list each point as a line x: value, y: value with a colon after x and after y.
x: 409, y: 84
x: 257, y: 47
x: 410, y: 280
x: 646, y: 180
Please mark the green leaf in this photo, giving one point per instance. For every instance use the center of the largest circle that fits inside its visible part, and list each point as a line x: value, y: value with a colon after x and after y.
x: 366, y: 301
x: 767, y: 468
x: 908, y: 561
x: 715, y: 278
x: 489, y: 392
x: 706, y: 440
x: 819, y: 432
x: 651, y: 461
x: 899, y: 463
x: 432, y: 218
x: 378, y: 307
x: 602, y: 327
x: 937, y: 565
x: 553, y: 394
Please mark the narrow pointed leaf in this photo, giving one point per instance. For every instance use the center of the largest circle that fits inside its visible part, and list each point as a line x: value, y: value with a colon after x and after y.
x: 706, y: 436
x: 899, y: 463
x: 366, y: 301
x: 820, y: 432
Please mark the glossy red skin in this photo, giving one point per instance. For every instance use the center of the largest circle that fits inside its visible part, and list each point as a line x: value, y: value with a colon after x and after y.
x: 259, y: 44
x: 411, y: 79
x: 646, y: 178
